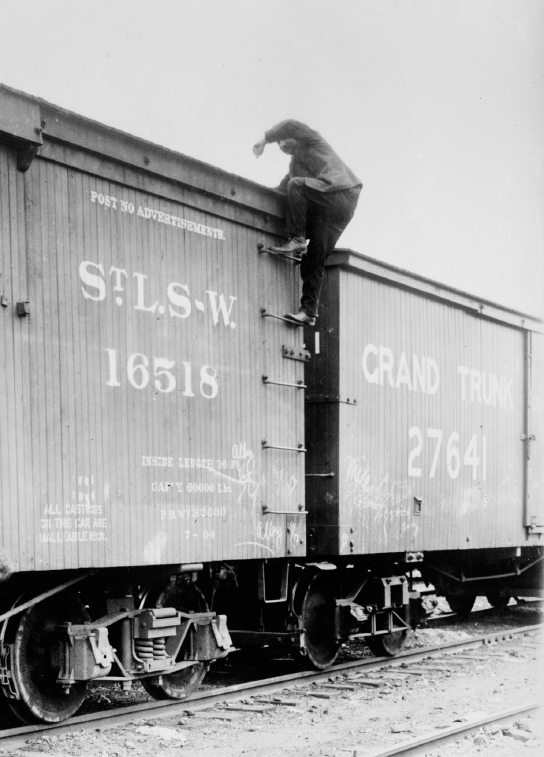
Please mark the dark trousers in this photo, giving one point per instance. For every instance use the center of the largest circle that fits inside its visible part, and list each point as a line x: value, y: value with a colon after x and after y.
x: 321, y: 217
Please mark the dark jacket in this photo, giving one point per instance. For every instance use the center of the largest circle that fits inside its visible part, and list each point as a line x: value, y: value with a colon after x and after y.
x: 315, y: 160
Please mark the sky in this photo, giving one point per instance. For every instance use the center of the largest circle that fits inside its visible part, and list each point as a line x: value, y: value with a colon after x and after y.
x: 438, y: 106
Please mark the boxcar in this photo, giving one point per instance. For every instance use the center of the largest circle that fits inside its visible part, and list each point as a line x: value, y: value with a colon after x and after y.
x: 176, y: 455
x: 424, y: 424
x: 151, y: 404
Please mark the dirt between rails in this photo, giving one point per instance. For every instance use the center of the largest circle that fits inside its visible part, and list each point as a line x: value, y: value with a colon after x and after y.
x: 316, y: 721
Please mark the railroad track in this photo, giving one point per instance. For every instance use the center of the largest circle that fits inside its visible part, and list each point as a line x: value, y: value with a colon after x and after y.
x: 421, y: 744
x: 17, y: 737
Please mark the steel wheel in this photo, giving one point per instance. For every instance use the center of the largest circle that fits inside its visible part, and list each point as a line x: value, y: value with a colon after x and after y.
x: 387, y: 644
x: 318, y: 620
x: 498, y: 601
x: 461, y: 604
x: 185, y: 597
x: 35, y: 662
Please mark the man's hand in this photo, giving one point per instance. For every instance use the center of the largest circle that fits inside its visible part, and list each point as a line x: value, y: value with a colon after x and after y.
x: 258, y: 148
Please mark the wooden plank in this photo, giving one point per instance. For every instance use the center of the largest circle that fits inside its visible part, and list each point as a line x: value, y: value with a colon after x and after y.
x: 10, y: 540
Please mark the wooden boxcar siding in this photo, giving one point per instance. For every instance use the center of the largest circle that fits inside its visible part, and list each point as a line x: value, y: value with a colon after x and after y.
x: 393, y: 444
x: 75, y: 489
x: 534, y: 516
x: 15, y: 468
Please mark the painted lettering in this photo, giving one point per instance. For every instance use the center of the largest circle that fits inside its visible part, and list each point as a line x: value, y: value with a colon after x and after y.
x: 381, y: 366
x: 179, y: 300
x: 92, y: 280
x: 140, y: 278
x: 220, y: 308
x: 484, y: 388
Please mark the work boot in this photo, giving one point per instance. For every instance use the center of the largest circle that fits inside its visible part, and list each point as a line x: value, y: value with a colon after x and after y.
x: 301, y: 318
x: 295, y: 246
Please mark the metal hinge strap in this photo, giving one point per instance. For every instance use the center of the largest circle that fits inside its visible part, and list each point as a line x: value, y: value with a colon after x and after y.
x: 294, y: 353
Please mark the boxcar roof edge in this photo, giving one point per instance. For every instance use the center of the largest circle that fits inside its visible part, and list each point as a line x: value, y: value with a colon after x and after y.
x: 357, y: 262
x: 27, y: 119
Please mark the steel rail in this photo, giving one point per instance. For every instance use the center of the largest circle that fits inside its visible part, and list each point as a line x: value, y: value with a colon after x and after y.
x: 420, y: 744
x: 201, y: 700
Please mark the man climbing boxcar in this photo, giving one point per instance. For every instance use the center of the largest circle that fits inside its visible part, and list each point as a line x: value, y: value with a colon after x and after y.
x: 322, y: 194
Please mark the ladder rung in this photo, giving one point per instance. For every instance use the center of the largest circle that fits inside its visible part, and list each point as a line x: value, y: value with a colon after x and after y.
x: 283, y: 255
x: 298, y: 385
x: 266, y: 314
x: 266, y: 445
x: 267, y: 511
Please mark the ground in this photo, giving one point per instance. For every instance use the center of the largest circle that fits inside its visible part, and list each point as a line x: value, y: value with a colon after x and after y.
x: 313, y: 721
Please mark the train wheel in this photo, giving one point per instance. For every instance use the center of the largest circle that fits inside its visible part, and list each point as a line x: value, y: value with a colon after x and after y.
x: 498, y: 601
x: 185, y: 597
x: 35, y: 664
x: 461, y: 604
x: 318, y: 620
x: 387, y: 645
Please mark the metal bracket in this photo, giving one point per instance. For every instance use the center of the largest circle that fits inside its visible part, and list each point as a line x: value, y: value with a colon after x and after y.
x: 7, y: 682
x: 265, y: 445
x: 25, y: 156
x: 298, y: 385
x: 294, y: 353
x: 315, y: 399
x: 283, y: 589
x: 413, y: 557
